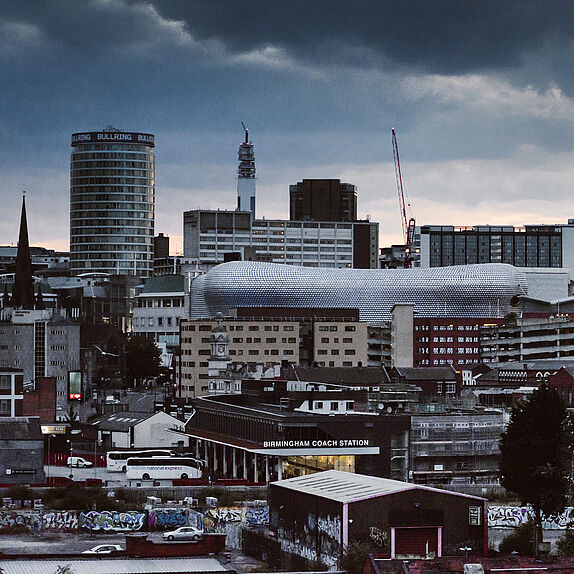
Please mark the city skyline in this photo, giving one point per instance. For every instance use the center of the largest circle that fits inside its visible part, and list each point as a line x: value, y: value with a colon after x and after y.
x: 481, y: 97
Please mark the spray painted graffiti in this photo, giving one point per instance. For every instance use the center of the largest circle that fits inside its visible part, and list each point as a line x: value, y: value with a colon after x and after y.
x: 330, y: 527
x: 295, y: 548
x: 222, y: 514
x: 112, y: 521
x: 329, y: 530
x: 310, y: 554
x: 506, y: 516
x: 514, y: 516
x: 226, y: 521
x: 257, y: 515
x: 378, y: 537
x: 60, y: 520
x: 216, y: 519
x: 167, y: 518
x: 31, y: 520
x: 196, y: 519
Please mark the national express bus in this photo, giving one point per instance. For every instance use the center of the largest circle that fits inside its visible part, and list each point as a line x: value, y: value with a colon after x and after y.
x: 116, y: 459
x: 166, y: 467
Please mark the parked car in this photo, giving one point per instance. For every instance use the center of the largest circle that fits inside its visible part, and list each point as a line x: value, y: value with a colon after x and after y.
x: 78, y: 462
x: 104, y: 549
x: 183, y: 533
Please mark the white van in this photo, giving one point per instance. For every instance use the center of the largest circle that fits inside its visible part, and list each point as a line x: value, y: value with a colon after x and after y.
x: 78, y: 462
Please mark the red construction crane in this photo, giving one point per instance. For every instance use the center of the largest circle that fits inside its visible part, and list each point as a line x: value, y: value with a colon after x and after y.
x: 407, y: 224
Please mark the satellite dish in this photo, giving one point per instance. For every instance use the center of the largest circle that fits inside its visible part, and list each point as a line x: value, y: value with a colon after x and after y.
x: 380, y: 406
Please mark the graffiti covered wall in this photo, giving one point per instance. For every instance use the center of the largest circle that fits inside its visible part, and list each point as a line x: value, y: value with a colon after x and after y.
x: 60, y: 520
x: 514, y: 516
x: 30, y: 519
x: 167, y: 518
x: 257, y: 515
x: 111, y: 521
x: 227, y: 520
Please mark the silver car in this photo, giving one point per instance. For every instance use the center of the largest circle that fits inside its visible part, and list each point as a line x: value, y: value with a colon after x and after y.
x: 104, y: 549
x: 183, y: 533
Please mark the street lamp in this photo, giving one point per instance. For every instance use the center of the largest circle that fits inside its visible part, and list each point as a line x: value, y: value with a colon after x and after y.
x: 96, y: 444
x: 71, y: 476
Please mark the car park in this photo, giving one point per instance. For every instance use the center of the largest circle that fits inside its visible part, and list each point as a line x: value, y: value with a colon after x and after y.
x: 104, y: 549
x: 183, y: 533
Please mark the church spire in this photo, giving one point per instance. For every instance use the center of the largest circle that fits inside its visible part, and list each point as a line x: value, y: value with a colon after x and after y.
x: 23, y: 288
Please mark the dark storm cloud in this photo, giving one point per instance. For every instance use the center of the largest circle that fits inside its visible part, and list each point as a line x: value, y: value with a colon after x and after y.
x: 435, y: 36
x: 432, y: 36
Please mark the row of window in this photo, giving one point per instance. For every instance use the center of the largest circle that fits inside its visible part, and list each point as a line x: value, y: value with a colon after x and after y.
x: 98, y: 164
x: 80, y: 173
x: 448, y: 350
x: 298, y: 225
x: 447, y: 328
x: 89, y: 206
x: 113, y: 193
x: 106, y: 248
x: 77, y: 157
x: 425, y: 362
x: 152, y: 321
x: 81, y: 181
x: 157, y: 303
x: 335, y: 351
x: 448, y: 339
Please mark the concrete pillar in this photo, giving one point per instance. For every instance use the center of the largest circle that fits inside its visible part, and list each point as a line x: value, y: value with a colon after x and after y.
x: 215, y: 459
x: 244, y: 464
x: 234, y: 462
x: 267, y: 469
x: 224, y: 461
x: 206, y: 453
x: 279, y: 468
x: 255, y: 477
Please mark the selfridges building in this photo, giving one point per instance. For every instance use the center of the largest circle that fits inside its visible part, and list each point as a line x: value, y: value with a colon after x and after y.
x: 487, y: 290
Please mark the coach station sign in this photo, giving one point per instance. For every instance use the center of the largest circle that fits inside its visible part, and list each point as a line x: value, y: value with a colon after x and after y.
x: 318, y: 447
x: 111, y: 137
x: 336, y: 443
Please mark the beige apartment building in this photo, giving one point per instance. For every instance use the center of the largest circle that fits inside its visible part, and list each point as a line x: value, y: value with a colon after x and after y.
x: 264, y: 342
x: 340, y: 343
x: 268, y: 341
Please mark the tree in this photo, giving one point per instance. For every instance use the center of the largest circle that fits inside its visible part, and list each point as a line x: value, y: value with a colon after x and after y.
x: 520, y: 541
x: 535, y: 453
x: 143, y: 359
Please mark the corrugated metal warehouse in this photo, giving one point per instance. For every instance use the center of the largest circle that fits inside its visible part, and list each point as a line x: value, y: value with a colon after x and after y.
x: 316, y: 516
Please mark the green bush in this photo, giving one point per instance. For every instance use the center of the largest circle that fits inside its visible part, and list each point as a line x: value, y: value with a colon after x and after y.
x: 20, y: 492
x: 521, y: 541
x: 565, y: 543
x: 80, y: 498
x: 354, y: 557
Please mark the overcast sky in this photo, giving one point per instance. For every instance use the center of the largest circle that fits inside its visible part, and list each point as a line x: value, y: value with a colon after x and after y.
x: 481, y: 95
